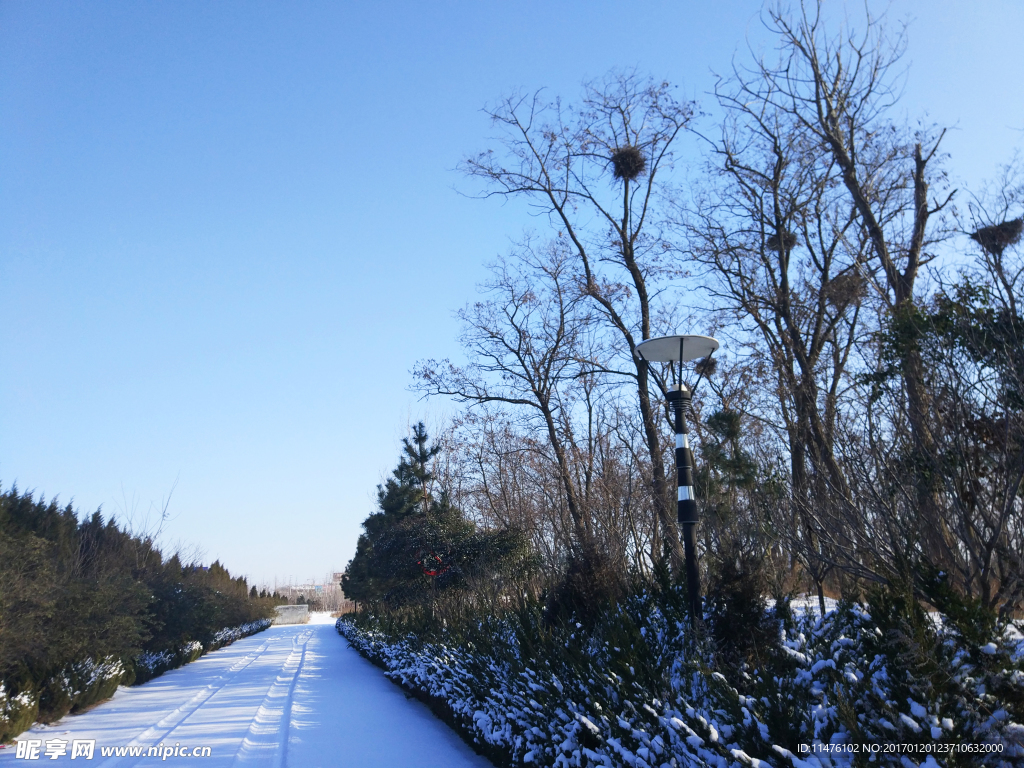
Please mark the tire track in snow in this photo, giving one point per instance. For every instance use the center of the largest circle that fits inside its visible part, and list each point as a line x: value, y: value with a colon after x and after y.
x: 327, y: 707
x: 159, y: 731
x: 268, y: 732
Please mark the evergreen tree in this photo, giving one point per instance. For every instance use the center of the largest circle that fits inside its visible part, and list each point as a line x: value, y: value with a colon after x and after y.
x: 75, y: 593
x: 419, y: 543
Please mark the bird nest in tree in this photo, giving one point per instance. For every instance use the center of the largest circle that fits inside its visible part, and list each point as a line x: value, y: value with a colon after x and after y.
x: 707, y: 366
x: 628, y: 162
x: 787, y: 239
x: 845, y: 289
x: 996, y: 238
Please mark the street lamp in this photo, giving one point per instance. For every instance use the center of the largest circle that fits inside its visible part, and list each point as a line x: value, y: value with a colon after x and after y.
x: 673, y: 349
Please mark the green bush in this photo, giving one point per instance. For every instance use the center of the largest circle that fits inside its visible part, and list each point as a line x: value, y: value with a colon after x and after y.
x: 637, y: 688
x: 86, y: 606
x: 16, y: 713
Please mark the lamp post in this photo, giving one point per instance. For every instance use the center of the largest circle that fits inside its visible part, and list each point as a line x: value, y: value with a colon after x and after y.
x: 673, y: 349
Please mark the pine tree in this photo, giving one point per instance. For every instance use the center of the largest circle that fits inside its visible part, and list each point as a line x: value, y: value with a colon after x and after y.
x: 419, y: 543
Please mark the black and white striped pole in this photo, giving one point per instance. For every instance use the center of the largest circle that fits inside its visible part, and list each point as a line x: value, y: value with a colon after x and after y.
x: 686, y: 503
x: 673, y: 349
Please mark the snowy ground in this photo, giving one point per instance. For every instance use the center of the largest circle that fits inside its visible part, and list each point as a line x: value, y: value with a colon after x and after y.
x: 804, y: 603
x: 290, y: 696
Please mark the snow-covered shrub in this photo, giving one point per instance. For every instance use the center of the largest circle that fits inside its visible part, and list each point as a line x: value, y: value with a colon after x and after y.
x: 80, y: 684
x: 17, y: 712
x: 228, y: 635
x: 591, y: 702
x: 87, y: 682
x: 190, y: 651
x: 639, y: 690
x: 150, y: 664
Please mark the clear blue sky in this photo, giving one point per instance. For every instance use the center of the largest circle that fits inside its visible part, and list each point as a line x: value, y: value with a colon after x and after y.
x: 228, y: 230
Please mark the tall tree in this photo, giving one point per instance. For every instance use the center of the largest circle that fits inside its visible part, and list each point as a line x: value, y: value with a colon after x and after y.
x: 530, y: 351
x: 419, y: 544
x: 598, y: 171
x: 816, y: 223
x: 787, y: 269
x: 837, y: 91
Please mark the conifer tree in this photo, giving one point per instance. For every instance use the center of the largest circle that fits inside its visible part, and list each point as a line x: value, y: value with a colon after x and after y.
x: 419, y: 542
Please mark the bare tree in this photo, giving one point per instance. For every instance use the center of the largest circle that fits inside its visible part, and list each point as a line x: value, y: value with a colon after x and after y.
x: 522, y: 344
x: 525, y: 344
x: 821, y: 210
x: 785, y: 258
x: 596, y: 172
x: 506, y: 479
x: 839, y: 90
x: 546, y: 455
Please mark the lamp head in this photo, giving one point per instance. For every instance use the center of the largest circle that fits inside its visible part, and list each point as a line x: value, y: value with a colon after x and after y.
x: 676, y: 349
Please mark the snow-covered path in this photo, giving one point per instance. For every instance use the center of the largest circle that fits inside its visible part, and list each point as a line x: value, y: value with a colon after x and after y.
x: 294, y: 696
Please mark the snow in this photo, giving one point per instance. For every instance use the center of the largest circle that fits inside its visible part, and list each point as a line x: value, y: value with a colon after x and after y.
x: 510, y: 700
x: 804, y: 604
x: 294, y: 695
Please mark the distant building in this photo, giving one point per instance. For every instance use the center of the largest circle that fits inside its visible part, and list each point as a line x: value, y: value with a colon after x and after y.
x: 327, y: 596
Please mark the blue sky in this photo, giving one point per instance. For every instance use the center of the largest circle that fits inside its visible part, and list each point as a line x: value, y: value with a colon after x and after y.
x: 228, y: 230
